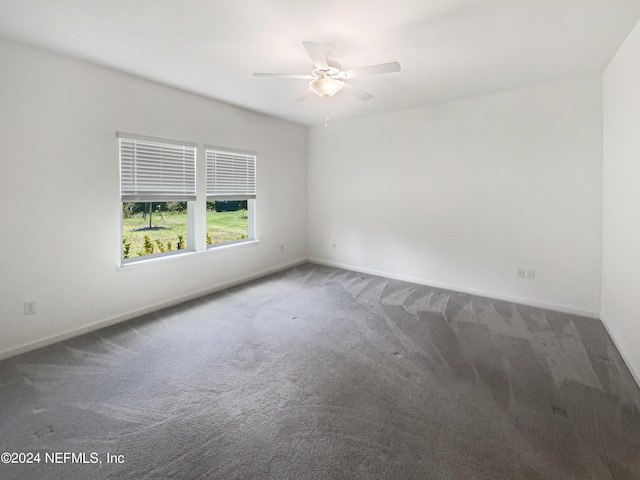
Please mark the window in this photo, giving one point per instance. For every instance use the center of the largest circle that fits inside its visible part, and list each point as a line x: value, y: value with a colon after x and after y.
x: 157, y: 191
x: 231, y: 195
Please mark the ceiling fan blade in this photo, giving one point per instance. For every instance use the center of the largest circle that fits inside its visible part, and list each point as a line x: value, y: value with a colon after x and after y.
x: 358, y: 92
x: 283, y: 75
x: 317, y: 53
x: 374, y: 69
x: 327, y: 49
x: 305, y: 96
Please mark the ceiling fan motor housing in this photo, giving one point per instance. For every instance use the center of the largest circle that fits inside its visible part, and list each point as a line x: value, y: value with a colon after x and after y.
x: 333, y: 70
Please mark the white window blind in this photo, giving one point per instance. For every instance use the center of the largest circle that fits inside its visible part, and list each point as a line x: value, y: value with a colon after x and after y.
x: 159, y: 170
x: 230, y: 175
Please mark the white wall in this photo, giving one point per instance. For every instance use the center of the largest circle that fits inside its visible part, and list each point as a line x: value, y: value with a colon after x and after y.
x: 621, y: 200
x: 59, y: 192
x: 461, y: 194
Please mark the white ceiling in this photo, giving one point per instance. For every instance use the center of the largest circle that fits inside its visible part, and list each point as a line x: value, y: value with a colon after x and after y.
x: 448, y: 49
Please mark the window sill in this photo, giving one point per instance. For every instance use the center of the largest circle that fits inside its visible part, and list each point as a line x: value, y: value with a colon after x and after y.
x: 234, y: 243
x: 155, y: 258
x: 210, y: 248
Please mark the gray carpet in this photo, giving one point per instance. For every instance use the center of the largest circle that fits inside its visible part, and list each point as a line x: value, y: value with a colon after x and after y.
x: 320, y: 373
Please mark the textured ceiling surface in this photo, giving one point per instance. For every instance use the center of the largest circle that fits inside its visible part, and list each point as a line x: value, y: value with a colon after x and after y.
x: 448, y: 49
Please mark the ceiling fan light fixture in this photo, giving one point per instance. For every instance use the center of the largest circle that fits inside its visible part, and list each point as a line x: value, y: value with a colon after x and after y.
x: 326, y: 86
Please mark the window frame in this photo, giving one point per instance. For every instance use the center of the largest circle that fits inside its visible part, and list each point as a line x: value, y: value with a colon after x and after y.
x: 154, y: 197
x: 249, y: 192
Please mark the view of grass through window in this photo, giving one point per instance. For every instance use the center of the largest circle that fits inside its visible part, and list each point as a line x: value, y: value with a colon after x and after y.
x: 158, y: 227
x: 153, y: 227
x: 227, y: 221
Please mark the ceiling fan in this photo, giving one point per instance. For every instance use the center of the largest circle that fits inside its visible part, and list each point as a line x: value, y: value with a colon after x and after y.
x: 327, y: 76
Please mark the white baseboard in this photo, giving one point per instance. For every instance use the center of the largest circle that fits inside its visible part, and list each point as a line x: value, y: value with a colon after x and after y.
x: 122, y: 318
x: 634, y: 373
x: 222, y: 286
x: 457, y: 288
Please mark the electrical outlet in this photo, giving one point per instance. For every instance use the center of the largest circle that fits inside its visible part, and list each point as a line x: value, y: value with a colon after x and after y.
x: 333, y: 246
x: 531, y: 274
x: 520, y: 273
x: 30, y: 307
x: 281, y: 248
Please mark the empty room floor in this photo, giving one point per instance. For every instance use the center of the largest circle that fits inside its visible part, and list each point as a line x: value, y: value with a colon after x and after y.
x: 322, y: 373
